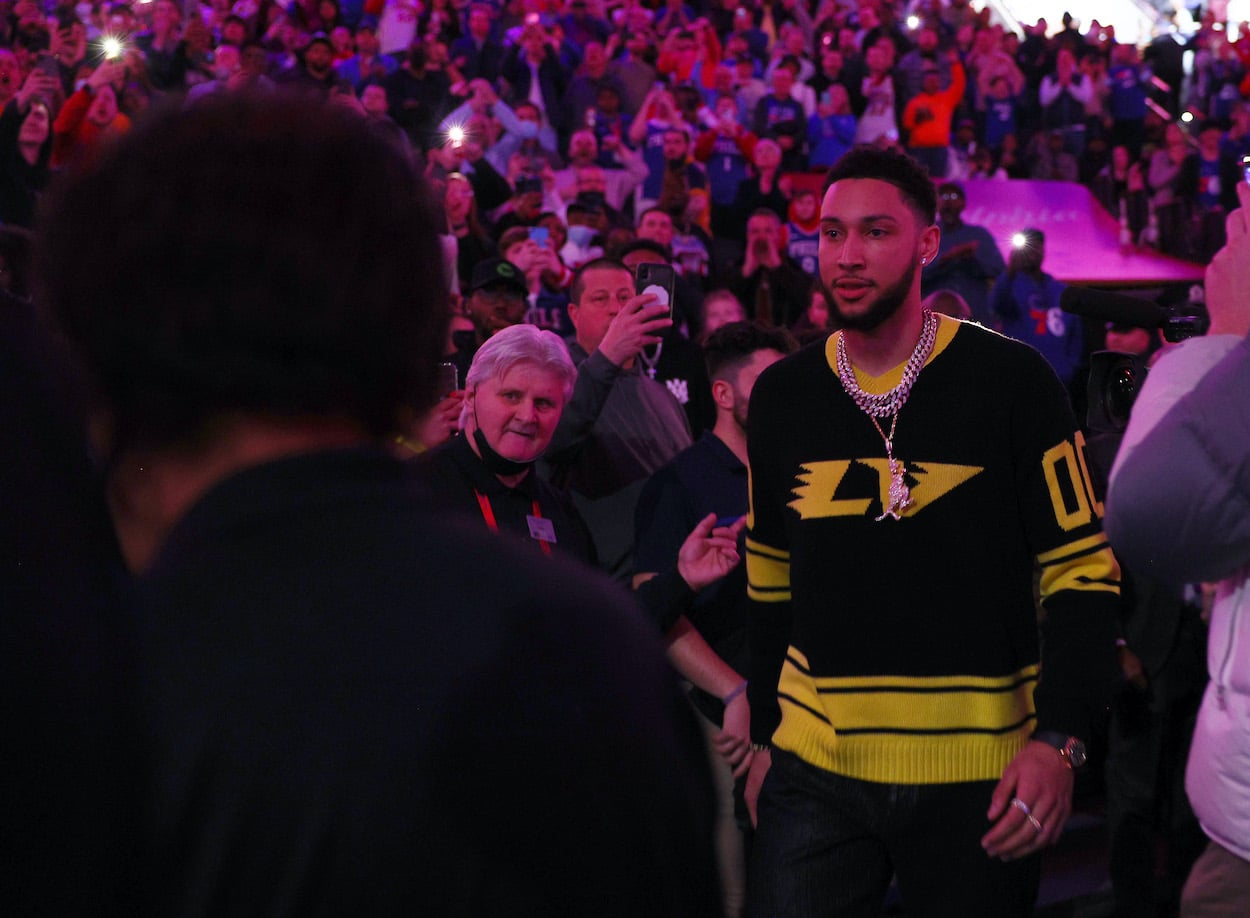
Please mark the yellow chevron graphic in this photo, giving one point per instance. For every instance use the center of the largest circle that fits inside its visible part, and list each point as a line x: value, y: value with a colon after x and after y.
x: 818, y: 483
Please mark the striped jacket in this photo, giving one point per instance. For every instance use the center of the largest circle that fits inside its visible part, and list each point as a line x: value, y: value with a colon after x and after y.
x: 907, y: 651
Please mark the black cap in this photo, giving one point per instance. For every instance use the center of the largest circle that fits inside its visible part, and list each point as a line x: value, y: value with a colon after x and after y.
x: 498, y: 271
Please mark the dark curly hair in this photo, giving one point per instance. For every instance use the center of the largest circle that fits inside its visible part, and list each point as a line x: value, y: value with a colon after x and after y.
x: 900, y: 170
x: 249, y: 254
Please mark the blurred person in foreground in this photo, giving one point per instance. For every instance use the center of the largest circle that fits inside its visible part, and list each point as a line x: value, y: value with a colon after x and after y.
x: 351, y: 712
x: 904, y: 718
x: 1178, y: 509
x: 71, y: 766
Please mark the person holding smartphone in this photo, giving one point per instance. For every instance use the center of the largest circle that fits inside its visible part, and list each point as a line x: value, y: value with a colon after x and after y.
x: 620, y: 426
x: 532, y: 249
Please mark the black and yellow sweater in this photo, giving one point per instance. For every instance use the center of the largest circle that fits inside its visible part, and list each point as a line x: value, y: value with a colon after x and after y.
x: 907, y: 651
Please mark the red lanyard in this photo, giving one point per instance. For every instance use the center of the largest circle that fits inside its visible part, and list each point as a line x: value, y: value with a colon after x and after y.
x: 488, y: 514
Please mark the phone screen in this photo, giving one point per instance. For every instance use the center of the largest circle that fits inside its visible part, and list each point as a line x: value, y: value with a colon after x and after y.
x: 540, y: 235
x: 658, y: 279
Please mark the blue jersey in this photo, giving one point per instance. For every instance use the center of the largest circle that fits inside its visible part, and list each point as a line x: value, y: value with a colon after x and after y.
x: 1000, y: 120
x: 830, y: 138
x: 804, y: 248
x: 1209, y: 191
x: 653, y: 156
x: 726, y: 169
x: 1030, y: 312
x: 1128, y: 92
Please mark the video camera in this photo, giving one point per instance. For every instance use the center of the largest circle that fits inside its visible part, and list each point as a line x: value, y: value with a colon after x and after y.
x: 1116, y: 378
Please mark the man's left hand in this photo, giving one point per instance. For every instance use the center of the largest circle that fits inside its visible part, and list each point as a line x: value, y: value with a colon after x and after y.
x: 709, y: 552
x: 1041, y: 781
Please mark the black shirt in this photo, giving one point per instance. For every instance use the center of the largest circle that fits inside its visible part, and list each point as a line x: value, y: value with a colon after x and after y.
x: 457, y: 477
x: 365, y: 706
x: 706, y: 478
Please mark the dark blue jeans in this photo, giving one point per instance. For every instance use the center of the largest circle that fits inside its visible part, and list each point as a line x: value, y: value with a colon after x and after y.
x: 828, y: 845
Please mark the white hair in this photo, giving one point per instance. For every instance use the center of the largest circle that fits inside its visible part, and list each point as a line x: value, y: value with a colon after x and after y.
x: 515, y: 345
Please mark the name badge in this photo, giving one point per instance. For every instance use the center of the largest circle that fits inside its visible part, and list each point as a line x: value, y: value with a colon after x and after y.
x: 541, y: 529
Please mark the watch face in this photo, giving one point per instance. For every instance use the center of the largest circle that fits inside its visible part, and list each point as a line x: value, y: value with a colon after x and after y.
x: 1076, y: 753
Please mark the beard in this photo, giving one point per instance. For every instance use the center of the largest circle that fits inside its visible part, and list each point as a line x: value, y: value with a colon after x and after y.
x: 887, y: 303
x: 741, y: 402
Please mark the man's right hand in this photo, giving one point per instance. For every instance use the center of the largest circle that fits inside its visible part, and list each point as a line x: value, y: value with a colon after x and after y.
x: 440, y: 422
x: 636, y: 326
x: 760, y: 763
x: 733, y: 743
x: 108, y: 72
x: 37, y: 83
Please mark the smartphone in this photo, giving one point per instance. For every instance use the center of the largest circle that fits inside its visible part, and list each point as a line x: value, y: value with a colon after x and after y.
x: 47, y: 63
x: 448, y: 379
x: 540, y: 235
x: 659, y: 279
x: 112, y: 48
x: 1245, y: 168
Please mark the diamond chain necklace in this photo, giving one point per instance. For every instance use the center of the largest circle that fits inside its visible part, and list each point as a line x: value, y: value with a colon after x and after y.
x: 887, y: 403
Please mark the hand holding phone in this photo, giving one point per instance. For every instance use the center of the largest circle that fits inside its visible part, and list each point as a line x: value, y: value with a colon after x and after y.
x: 658, y: 279
x: 47, y: 64
x: 637, y: 325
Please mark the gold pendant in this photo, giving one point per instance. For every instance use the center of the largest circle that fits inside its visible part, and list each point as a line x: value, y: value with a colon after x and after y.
x: 899, y: 494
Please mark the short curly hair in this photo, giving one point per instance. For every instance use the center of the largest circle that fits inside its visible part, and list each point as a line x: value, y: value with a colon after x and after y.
x: 248, y: 254
x: 898, y: 169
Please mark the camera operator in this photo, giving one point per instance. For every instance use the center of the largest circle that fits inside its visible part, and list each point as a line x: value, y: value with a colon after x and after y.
x: 1179, y: 510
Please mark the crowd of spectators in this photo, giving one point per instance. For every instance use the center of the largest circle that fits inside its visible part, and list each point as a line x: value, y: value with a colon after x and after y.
x: 693, y: 124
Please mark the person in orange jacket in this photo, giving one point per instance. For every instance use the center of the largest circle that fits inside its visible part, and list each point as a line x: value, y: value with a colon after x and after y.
x: 927, y: 117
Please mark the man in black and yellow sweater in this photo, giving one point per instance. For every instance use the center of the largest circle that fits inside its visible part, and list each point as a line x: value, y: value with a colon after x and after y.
x: 906, y: 476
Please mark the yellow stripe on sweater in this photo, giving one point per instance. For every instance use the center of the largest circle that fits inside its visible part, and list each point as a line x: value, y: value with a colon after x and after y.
x: 906, y: 729
x: 1087, y: 564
